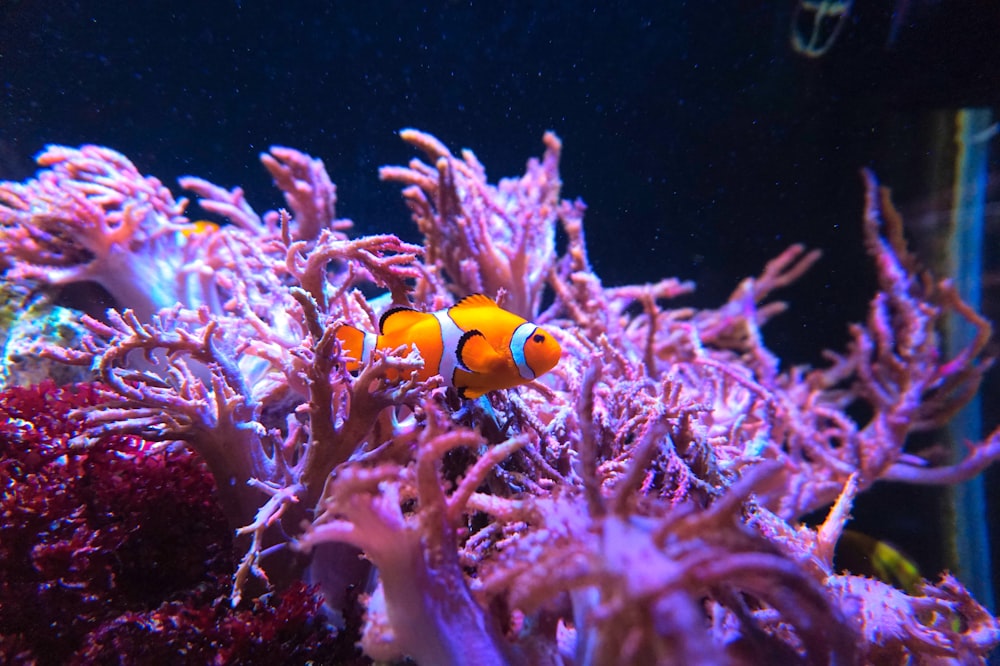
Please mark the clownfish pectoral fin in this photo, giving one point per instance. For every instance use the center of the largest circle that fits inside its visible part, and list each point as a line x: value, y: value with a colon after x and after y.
x: 475, y: 354
x: 399, y: 319
x: 470, y: 393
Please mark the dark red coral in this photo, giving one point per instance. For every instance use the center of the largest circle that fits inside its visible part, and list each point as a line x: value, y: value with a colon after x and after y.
x: 120, y: 547
x: 284, y: 629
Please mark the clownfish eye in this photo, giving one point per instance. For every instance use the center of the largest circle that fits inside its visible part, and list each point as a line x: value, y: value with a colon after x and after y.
x: 538, y: 338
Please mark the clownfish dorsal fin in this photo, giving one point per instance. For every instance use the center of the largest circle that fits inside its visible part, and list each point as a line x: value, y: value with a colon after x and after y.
x: 475, y: 301
x: 398, y: 319
x: 475, y: 354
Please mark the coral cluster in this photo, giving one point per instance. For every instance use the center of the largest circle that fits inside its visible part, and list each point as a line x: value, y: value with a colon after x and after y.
x: 118, y: 553
x: 639, y: 504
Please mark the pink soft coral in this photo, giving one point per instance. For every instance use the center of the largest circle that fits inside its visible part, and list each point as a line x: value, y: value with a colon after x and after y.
x: 90, y: 215
x: 641, y: 502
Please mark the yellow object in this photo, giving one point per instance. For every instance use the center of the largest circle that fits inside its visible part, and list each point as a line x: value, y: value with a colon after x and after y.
x: 200, y: 227
x: 867, y: 556
x: 475, y: 345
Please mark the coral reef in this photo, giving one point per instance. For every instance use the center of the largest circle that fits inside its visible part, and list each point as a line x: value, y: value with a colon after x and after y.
x: 118, y: 552
x: 641, y: 503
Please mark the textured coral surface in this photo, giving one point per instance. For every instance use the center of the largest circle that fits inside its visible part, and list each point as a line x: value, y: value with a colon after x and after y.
x: 115, y: 552
x: 641, y: 503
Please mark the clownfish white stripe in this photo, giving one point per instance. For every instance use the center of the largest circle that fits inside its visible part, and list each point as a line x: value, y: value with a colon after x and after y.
x: 517, y: 341
x: 368, y: 347
x: 450, y: 335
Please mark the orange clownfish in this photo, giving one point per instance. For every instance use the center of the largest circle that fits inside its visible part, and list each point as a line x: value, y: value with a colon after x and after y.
x: 475, y: 345
x: 193, y: 229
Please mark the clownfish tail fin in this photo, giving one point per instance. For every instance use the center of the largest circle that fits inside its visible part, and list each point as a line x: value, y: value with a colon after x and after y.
x: 356, y: 345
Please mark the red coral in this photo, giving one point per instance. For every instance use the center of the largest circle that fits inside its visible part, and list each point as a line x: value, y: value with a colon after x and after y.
x: 101, y: 541
x: 88, y: 532
x: 286, y: 630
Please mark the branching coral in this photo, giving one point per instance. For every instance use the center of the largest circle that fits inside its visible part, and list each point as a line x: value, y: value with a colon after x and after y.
x: 429, y: 613
x: 484, y: 238
x: 224, y: 367
x: 640, y: 503
x: 92, y: 216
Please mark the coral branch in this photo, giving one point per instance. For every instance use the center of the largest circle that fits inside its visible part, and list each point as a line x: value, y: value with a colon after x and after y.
x: 90, y: 215
x: 310, y: 193
x: 484, y: 238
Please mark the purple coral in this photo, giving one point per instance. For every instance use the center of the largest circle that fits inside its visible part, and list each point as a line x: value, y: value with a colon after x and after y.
x: 90, y: 215
x: 642, y: 502
x: 484, y: 238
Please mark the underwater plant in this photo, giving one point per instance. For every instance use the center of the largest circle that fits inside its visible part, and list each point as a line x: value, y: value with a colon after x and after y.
x: 641, y: 502
x: 119, y: 553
